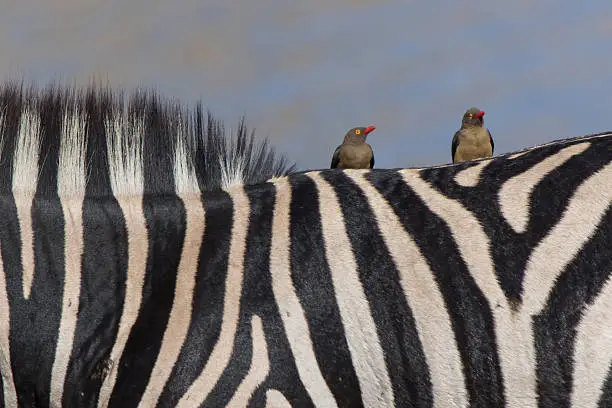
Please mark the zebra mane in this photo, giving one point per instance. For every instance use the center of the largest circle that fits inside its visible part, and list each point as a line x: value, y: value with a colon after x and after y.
x: 65, y: 140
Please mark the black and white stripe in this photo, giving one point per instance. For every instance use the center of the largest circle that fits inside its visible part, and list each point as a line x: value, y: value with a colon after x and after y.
x: 125, y: 282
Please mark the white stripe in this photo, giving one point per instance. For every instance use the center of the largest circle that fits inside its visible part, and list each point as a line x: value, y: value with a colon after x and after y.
x: 186, y: 184
x: 470, y: 176
x: 517, y: 155
x: 260, y: 366
x: 290, y: 309
x: 360, y: 329
x: 8, y: 385
x: 569, y: 140
x: 25, y: 178
x: 124, y: 148
x: 185, y: 178
x: 550, y: 258
x: 275, y: 399
x: 73, y: 253
x: 515, y: 193
x: 71, y: 184
x: 557, y: 142
x: 71, y: 177
x: 234, y: 165
x: 592, y: 352
x: 137, y: 251
x: 425, y: 301
x: 124, y: 144
x: 232, y: 170
x: 23, y: 203
x: 180, y: 315
x: 552, y: 255
x: 220, y: 356
x: 515, y: 353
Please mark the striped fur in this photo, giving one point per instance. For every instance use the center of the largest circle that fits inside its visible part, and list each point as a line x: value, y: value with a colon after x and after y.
x: 481, y: 284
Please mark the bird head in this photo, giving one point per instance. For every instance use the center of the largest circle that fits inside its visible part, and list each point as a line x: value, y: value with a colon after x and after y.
x: 358, y: 134
x: 473, y: 117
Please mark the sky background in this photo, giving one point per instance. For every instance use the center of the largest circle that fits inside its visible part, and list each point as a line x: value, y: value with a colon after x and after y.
x: 304, y: 72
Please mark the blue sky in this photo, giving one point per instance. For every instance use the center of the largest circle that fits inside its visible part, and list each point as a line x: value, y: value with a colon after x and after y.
x: 304, y: 72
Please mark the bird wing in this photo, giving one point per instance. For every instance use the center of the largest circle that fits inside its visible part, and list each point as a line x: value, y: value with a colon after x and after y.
x: 492, y: 143
x: 336, y: 158
x: 454, y: 145
x: 372, y: 161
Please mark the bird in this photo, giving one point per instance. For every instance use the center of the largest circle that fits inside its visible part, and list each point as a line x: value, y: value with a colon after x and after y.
x: 354, y: 152
x: 472, y: 141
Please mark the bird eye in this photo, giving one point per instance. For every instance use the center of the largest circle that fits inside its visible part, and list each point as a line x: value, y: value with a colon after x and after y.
x: 357, y: 131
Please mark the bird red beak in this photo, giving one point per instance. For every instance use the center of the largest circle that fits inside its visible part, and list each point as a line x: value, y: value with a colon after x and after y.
x: 480, y: 114
x: 370, y: 129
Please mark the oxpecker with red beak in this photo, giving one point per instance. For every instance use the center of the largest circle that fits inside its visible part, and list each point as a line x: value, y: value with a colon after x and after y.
x: 473, y: 141
x: 354, y: 152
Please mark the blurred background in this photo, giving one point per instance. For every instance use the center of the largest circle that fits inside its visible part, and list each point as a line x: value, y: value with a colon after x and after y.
x: 303, y: 72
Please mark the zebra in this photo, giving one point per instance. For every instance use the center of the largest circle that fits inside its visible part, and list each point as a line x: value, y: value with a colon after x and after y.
x: 483, y: 283
x: 61, y: 147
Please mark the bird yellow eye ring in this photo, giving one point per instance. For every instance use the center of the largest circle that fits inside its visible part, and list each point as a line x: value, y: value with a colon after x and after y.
x: 357, y: 131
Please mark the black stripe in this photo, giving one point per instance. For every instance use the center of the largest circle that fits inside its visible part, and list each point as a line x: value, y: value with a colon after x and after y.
x: 256, y: 259
x: 97, y: 108
x: 52, y: 104
x: 10, y: 241
x: 605, y: 400
x: 209, y: 293
x: 404, y: 355
x: 258, y: 298
x: 158, y: 147
x: 104, y: 272
x: 552, y: 195
x: 314, y: 287
x: 165, y: 221
x: 104, y: 260
x: 10, y: 98
x: 555, y: 328
x: 471, y: 319
x: 44, y: 307
x: 35, y: 322
x: 2, y: 385
x: 208, y: 139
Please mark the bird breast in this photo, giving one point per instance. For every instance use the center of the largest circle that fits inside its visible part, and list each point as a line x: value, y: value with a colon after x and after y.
x: 473, y: 144
x: 474, y: 136
x: 356, y: 156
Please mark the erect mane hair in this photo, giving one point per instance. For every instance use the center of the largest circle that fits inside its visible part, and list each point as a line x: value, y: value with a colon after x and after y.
x: 122, y: 144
